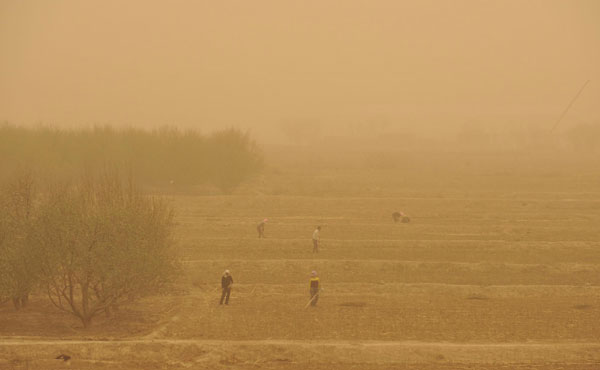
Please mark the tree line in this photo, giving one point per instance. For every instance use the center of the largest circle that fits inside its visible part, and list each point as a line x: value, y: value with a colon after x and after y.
x: 89, y: 244
x: 224, y: 159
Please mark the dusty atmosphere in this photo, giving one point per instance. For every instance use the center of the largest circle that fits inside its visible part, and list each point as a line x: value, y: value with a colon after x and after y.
x: 300, y: 185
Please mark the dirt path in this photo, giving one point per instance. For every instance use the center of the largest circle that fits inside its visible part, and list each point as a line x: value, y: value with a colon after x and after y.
x: 146, y: 353
x: 15, y: 341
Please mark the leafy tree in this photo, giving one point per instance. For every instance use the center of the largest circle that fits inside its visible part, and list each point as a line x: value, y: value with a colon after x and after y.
x: 101, y: 242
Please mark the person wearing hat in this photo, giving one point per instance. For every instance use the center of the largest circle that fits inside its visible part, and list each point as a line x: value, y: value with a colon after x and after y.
x: 261, y: 228
x: 315, y: 287
x: 226, y: 283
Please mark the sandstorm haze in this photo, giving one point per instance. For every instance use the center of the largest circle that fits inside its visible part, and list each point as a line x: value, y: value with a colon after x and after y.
x: 381, y: 182
x: 426, y: 68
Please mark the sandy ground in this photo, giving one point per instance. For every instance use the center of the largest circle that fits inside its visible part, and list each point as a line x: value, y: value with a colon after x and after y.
x: 498, y: 269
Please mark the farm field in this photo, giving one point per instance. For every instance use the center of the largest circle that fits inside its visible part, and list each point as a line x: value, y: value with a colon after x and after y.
x: 499, y: 268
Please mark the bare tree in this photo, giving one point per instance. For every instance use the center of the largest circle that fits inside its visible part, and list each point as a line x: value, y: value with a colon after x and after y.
x: 225, y: 159
x: 18, y: 262
x: 102, y: 241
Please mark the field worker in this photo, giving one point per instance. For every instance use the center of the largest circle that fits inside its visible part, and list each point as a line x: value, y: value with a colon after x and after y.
x: 226, y: 283
x: 397, y: 216
x: 315, y: 287
x: 261, y: 228
x: 316, y: 238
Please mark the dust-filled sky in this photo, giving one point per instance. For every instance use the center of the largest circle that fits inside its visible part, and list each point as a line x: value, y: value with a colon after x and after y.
x: 262, y: 65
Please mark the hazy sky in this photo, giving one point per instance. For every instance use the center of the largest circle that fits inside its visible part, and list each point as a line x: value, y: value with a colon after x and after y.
x: 262, y: 64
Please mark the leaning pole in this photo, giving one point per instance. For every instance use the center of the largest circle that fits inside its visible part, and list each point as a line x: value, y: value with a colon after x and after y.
x: 570, y: 104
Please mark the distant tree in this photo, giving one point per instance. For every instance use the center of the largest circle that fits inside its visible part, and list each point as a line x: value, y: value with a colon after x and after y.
x: 102, y: 242
x: 19, y: 264
x: 234, y: 157
x: 162, y: 157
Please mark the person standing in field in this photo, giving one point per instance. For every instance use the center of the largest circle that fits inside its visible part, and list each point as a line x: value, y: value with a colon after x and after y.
x: 226, y: 283
x: 316, y: 238
x: 261, y: 228
x: 315, y: 288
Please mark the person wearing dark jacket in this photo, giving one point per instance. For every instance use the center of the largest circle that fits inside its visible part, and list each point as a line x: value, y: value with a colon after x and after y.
x: 226, y: 283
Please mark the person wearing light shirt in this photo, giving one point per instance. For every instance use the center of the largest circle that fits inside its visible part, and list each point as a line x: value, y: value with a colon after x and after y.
x: 316, y: 238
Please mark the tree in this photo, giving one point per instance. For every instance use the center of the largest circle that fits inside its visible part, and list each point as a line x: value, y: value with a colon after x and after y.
x: 101, y: 242
x: 162, y: 157
x: 234, y: 158
x: 19, y: 266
